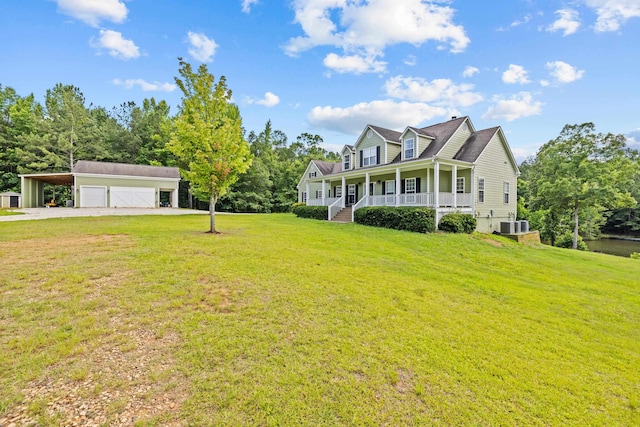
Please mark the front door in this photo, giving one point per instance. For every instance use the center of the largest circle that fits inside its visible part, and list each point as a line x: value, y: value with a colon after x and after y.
x: 351, y: 194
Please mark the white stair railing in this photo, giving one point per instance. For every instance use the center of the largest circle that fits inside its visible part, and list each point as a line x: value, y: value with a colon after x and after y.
x: 361, y: 203
x: 334, y: 208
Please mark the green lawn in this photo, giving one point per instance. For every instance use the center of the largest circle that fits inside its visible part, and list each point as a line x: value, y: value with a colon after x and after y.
x: 287, y: 321
x: 7, y: 212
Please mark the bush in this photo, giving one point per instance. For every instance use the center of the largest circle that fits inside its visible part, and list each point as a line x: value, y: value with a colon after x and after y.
x: 458, y: 223
x: 566, y: 241
x: 419, y: 220
x: 635, y: 255
x: 313, y: 212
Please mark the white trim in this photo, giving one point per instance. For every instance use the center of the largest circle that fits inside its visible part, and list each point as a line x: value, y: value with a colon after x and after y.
x: 484, y: 190
x: 145, y: 178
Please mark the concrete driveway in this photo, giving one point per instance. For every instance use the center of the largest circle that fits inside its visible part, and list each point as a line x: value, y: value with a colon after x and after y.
x: 46, y: 213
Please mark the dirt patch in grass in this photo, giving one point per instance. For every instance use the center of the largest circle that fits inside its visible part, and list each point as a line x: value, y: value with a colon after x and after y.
x: 493, y: 243
x: 130, y: 378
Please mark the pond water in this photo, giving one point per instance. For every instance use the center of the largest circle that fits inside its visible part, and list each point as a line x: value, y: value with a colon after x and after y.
x: 614, y: 246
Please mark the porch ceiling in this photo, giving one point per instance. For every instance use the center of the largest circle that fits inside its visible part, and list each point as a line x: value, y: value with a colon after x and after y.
x: 53, y: 178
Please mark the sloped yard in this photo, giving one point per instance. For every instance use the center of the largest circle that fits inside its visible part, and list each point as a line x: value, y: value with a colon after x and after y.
x: 286, y: 321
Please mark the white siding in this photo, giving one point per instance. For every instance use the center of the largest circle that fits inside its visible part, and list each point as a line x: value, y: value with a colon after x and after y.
x: 495, y: 166
x: 457, y: 139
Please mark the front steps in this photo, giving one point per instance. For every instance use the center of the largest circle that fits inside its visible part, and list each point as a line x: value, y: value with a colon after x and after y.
x: 343, y: 216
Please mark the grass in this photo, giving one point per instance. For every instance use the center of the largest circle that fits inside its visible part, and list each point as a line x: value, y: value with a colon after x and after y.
x: 8, y: 212
x: 287, y: 321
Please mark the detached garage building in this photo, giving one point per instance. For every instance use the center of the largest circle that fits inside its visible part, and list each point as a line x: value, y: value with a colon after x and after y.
x: 101, y: 185
x: 10, y: 200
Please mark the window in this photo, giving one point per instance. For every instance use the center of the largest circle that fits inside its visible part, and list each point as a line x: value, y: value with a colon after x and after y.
x: 372, y: 188
x: 506, y: 193
x: 390, y: 187
x: 369, y: 156
x: 304, y: 197
x: 460, y: 185
x: 313, y: 174
x: 318, y: 194
x: 347, y: 162
x: 408, y: 148
x: 338, y: 191
x: 480, y: 190
x: 410, y: 185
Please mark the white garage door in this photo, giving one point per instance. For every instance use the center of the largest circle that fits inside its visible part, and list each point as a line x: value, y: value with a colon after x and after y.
x: 132, y: 197
x: 93, y: 197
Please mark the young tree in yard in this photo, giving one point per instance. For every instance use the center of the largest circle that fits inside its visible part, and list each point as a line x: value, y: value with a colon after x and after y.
x: 207, y: 136
x: 581, y: 169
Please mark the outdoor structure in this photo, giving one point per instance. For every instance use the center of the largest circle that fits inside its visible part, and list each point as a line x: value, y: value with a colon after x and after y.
x: 10, y: 200
x: 102, y: 184
x: 449, y: 166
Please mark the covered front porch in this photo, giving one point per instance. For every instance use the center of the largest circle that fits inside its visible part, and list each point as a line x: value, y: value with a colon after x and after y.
x: 444, y: 186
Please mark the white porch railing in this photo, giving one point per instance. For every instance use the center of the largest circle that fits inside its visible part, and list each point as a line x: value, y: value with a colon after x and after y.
x: 462, y: 200
x: 328, y: 201
x: 416, y: 199
x: 335, y: 207
x: 360, y: 204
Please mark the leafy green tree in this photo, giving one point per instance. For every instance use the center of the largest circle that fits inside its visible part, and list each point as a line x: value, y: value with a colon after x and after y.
x: 580, y: 170
x: 207, y: 136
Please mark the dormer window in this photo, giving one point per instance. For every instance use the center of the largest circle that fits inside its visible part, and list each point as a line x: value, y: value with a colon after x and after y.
x: 409, y: 148
x: 347, y: 162
x: 313, y: 174
x: 370, y: 156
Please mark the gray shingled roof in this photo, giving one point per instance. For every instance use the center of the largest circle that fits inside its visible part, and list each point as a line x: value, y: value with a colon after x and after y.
x: 388, y: 134
x: 105, y: 168
x: 475, y: 145
x: 442, y: 132
x: 328, y: 168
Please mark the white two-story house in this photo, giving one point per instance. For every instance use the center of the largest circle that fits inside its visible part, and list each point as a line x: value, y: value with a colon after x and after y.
x: 449, y: 166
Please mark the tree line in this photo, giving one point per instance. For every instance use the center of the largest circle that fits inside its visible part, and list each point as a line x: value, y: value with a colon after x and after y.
x: 579, y: 184
x: 51, y: 136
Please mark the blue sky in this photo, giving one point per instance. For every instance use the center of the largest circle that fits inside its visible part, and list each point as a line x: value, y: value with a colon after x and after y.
x: 332, y: 66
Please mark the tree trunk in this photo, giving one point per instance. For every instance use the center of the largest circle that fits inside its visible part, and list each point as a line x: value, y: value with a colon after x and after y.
x: 575, y: 226
x: 212, y: 215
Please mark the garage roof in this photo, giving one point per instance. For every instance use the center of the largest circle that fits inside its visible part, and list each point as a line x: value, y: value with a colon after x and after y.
x: 103, y: 168
x: 52, y: 178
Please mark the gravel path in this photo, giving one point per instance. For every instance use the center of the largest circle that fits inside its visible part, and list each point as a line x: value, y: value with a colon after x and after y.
x: 46, y: 213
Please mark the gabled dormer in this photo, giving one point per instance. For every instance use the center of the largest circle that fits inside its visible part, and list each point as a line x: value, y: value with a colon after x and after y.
x: 348, y: 157
x: 376, y: 146
x: 414, y: 142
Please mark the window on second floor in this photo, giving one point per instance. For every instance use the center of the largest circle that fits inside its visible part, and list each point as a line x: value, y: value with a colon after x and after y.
x: 370, y: 156
x: 409, y: 148
x: 313, y: 174
x: 347, y: 162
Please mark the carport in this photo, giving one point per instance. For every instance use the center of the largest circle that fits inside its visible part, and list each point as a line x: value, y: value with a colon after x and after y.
x: 102, y: 184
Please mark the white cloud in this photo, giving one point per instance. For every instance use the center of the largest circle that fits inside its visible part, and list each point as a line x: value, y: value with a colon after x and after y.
x: 370, y: 27
x: 410, y: 60
x: 517, y: 106
x: 385, y: 113
x: 144, y: 85
x: 612, y: 14
x: 202, y: 48
x: 563, y: 72
x: 469, y: 71
x: 568, y: 22
x: 545, y: 83
x: 246, y: 5
x: 515, y: 74
x: 269, y: 100
x: 116, y: 45
x: 517, y: 23
x: 92, y: 12
x: 355, y: 64
x: 441, y: 92
x: 633, y: 139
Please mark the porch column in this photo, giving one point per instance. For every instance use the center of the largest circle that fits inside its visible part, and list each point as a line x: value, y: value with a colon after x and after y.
x: 428, y: 186
x: 308, y: 198
x: 323, y: 190
x: 366, y: 189
x: 174, y: 197
x: 344, y: 190
x: 398, y: 187
x: 472, y: 189
x: 436, y: 184
x: 454, y: 185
